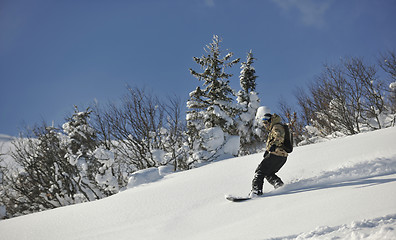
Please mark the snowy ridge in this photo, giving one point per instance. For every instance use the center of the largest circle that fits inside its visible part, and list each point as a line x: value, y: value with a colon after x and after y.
x: 4, y: 137
x: 338, y: 189
x: 359, y: 173
x: 378, y: 228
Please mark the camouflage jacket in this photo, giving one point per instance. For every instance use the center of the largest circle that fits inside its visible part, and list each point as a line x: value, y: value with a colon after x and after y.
x: 276, y: 136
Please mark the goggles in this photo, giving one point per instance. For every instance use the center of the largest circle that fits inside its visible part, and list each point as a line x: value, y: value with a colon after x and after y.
x: 266, y: 120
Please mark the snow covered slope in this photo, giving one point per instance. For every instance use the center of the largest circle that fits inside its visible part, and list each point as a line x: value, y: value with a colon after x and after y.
x: 344, y: 189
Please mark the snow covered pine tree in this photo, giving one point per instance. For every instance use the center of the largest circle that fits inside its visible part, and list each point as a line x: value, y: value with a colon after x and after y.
x: 94, y: 163
x: 211, y: 111
x: 249, y: 103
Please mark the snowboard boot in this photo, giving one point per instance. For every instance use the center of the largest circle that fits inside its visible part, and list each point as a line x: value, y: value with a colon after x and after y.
x: 278, y: 185
x: 255, y: 193
x: 275, y: 181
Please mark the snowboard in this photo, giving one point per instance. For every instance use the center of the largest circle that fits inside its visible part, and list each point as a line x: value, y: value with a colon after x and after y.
x: 237, y: 198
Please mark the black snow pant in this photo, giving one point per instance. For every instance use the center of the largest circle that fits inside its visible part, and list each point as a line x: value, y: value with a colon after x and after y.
x: 267, y: 169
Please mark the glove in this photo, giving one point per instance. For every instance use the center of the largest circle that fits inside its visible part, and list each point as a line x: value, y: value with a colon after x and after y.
x: 272, y: 148
x: 266, y: 153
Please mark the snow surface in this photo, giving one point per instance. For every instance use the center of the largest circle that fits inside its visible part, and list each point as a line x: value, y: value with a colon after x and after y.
x: 339, y: 189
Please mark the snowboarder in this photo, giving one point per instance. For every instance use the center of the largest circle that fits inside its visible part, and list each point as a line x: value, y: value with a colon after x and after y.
x: 274, y: 157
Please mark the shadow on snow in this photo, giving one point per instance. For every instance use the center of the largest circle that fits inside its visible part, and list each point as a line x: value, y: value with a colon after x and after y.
x: 304, y: 186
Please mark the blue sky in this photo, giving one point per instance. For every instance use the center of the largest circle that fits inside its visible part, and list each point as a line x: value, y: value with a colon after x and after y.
x: 56, y: 54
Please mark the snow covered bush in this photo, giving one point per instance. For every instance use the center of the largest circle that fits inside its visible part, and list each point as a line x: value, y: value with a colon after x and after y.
x: 143, y: 131
x: 43, y: 177
x: 387, y: 62
x: 148, y: 175
x: 392, y: 100
x: 54, y: 168
x: 94, y: 163
x: 106, y: 177
x: 348, y: 98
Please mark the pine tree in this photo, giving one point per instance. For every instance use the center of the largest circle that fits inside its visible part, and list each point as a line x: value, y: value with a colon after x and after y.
x: 249, y: 103
x: 83, y: 139
x: 215, y: 98
x: 212, y: 105
x: 82, y: 151
x: 247, y: 79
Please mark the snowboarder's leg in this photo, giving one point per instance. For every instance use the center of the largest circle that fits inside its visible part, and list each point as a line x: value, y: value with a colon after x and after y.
x: 268, y: 168
x: 260, y: 173
x: 257, y: 184
x: 277, y: 164
x: 272, y: 178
